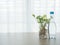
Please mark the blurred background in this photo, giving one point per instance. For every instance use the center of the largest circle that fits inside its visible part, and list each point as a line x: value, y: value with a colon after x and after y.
x: 16, y: 15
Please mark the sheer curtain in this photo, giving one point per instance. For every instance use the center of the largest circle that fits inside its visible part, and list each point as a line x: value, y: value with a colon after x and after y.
x: 16, y: 15
x: 57, y: 16
x: 40, y: 7
x: 3, y: 16
x: 12, y: 16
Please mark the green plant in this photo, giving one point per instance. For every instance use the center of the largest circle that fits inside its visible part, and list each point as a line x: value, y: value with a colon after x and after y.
x: 42, y: 19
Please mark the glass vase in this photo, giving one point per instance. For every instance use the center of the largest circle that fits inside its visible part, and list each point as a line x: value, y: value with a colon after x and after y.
x: 44, y: 31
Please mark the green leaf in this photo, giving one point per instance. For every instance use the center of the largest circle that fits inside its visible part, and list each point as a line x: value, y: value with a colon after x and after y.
x: 38, y: 17
x: 33, y: 15
x: 42, y: 19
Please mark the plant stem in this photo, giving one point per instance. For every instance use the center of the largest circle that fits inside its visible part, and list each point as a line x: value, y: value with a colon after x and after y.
x: 48, y: 31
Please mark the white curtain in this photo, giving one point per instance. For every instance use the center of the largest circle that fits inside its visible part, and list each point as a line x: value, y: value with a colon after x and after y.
x: 12, y: 16
x: 16, y: 15
x: 57, y: 16
x: 40, y: 7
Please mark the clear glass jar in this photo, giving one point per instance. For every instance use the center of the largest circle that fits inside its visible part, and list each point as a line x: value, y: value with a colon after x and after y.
x: 44, y: 31
x: 48, y: 31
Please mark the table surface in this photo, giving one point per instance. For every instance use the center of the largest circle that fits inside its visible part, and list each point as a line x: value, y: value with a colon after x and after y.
x: 26, y: 39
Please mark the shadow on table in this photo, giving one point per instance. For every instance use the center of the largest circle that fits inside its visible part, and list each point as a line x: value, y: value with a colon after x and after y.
x: 47, y: 41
